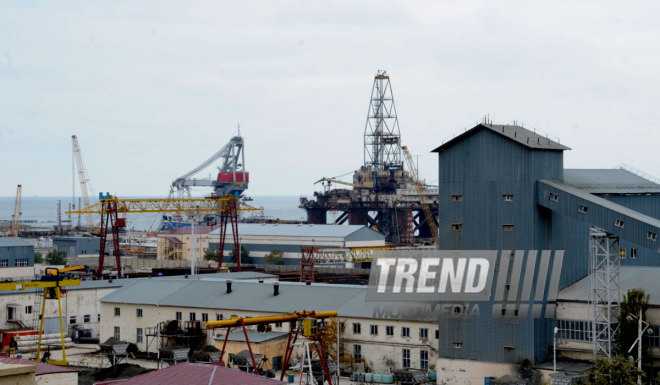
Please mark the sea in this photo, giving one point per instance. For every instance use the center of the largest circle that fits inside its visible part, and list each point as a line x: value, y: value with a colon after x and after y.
x: 42, y: 211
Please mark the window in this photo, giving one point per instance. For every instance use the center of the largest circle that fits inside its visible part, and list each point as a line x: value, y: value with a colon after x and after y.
x: 553, y: 197
x: 357, y: 351
x: 4, y: 263
x: 138, y: 335
x: 574, y: 330
x: 457, y: 227
x: 179, y: 316
x: 87, y: 318
x: 218, y: 317
x: 192, y: 316
x: 117, y: 312
x: 423, y: 359
x: 117, y: 333
x: 457, y: 345
x: 456, y: 197
x: 424, y: 333
x: 72, y: 319
x: 357, y: 328
x: 374, y: 330
x: 633, y: 253
x: 653, y: 338
x: 205, y: 317
x: 406, y: 358
x: 507, y: 197
x: 405, y: 332
x: 278, y: 324
x: 28, y: 309
x: 22, y: 262
x: 649, y: 234
x: 618, y: 223
x: 437, y: 334
x: 138, y: 313
x: 507, y: 227
x: 389, y: 330
x: 622, y: 253
x: 98, y: 318
x: 582, y: 209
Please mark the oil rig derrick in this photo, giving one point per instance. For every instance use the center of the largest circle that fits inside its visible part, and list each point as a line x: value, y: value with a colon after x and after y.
x: 382, y: 194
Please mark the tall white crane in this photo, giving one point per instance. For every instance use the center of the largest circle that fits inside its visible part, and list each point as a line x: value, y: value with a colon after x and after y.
x: 15, y: 218
x: 85, y: 184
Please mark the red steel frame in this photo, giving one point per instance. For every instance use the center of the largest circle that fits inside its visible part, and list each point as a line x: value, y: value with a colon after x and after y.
x: 229, y: 212
x: 110, y: 217
x: 307, y: 260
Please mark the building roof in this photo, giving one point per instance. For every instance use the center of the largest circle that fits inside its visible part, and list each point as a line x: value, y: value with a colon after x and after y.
x: 195, y: 374
x: 254, y: 336
x: 13, y: 242
x: 516, y: 133
x: 174, y: 240
x: 604, y: 181
x: 300, y: 230
x: 41, y: 368
x: 199, y: 229
x: 631, y: 277
x: 253, y: 296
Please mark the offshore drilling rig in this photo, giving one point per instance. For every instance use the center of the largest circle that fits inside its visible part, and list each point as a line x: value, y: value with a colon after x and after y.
x: 383, y: 194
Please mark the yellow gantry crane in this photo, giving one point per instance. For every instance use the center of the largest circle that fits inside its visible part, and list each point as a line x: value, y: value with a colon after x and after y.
x: 422, y: 196
x: 51, y: 283
x: 110, y: 207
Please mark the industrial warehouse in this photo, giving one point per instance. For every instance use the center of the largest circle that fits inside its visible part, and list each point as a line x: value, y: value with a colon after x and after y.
x: 511, y: 265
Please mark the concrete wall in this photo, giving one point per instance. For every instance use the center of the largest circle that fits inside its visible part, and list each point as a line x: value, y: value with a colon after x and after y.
x: 17, y: 374
x: 58, y: 378
x: 468, y: 372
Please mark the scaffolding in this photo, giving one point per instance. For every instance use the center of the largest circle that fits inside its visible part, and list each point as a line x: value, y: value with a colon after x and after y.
x: 605, y: 269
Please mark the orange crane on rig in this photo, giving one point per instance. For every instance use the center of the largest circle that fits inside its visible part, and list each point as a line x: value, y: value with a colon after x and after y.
x: 15, y: 218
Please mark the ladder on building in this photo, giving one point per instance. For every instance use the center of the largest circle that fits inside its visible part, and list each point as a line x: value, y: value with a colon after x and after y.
x: 37, y: 309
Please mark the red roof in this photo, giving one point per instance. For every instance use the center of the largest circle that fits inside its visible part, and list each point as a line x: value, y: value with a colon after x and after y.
x: 42, y: 368
x: 194, y: 374
x: 199, y: 229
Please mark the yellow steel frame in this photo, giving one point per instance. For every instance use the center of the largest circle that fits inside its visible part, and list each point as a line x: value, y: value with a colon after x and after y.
x: 202, y: 205
x: 45, y: 286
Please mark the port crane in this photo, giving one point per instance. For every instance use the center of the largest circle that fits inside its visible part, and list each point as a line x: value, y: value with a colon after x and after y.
x: 330, y: 181
x: 109, y: 207
x: 16, y: 217
x: 85, y: 184
x: 419, y: 185
x: 49, y: 287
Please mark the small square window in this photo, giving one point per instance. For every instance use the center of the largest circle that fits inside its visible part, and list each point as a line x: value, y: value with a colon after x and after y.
x: 179, y: 316
x: 457, y: 227
x: 357, y: 328
x: 423, y: 333
x: 218, y: 317
x: 651, y: 235
x: 389, y: 330
x: 582, y: 209
x: 618, y: 223
x: 622, y: 253
x: 507, y: 197
x: 205, y: 317
x: 633, y: 253
x: 87, y: 318
x: 405, y: 332
x: 28, y: 309
x: 374, y: 330
x: 507, y: 227
x: 278, y: 324
x: 117, y: 312
x: 72, y: 319
x: 437, y: 334
x: 456, y: 197
x: 457, y: 345
x: 138, y: 313
x: 192, y: 315
x: 553, y: 197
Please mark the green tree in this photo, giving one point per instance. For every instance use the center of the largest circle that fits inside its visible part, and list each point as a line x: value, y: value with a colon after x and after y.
x: 634, y: 301
x: 245, y: 256
x: 38, y: 257
x: 616, y: 371
x: 275, y: 257
x: 56, y: 257
x: 211, y: 255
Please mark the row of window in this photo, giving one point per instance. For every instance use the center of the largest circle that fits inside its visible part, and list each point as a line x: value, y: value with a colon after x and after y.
x: 459, y: 227
x: 459, y: 197
x: 405, y: 361
x: 389, y: 331
x: 19, y: 262
x: 192, y: 316
x: 86, y: 318
x: 582, y: 331
x: 139, y: 334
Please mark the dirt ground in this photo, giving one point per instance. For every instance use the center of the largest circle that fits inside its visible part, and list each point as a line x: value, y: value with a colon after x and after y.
x: 88, y: 376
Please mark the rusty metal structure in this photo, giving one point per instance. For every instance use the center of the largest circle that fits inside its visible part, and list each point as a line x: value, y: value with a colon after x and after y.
x: 383, y: 194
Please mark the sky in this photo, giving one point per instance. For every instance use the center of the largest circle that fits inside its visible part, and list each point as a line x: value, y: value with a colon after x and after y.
x: 154, y: 88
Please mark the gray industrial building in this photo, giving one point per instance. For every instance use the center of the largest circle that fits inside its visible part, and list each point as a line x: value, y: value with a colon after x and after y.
x: 262, y: 238
x: 15, y: 252
x: 75, y: 246
x: 503, y: 187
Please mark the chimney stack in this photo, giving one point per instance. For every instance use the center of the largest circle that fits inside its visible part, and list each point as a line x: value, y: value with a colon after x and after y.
x: 276, y: 288
x: 228, y: 286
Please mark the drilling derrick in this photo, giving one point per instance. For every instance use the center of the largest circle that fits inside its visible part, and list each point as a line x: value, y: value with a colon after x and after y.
x: 383, y: 195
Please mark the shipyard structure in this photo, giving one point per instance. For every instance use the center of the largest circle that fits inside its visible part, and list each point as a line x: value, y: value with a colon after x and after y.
x: 383, y: 194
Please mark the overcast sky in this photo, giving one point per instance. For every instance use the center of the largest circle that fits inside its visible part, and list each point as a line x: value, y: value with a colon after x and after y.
x: 153, y: 88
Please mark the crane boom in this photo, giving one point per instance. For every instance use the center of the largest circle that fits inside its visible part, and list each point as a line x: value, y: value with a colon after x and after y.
x: 84, y: 180
x: 137, y: 206
x: 16, y: 217
x: 422, y: 197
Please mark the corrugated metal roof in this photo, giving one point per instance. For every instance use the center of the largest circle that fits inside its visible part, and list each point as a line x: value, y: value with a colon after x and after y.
x: 632, y: 277
x: 254, y: 336
x: 13, y: 241
x: 199, y: 229
x: 516, y: 133
x: 174, y: 240
x: 41, y: 367
x: 615, y: 181
x: 347, y: 300
x: 292, y: 230
x: 195, y: 374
